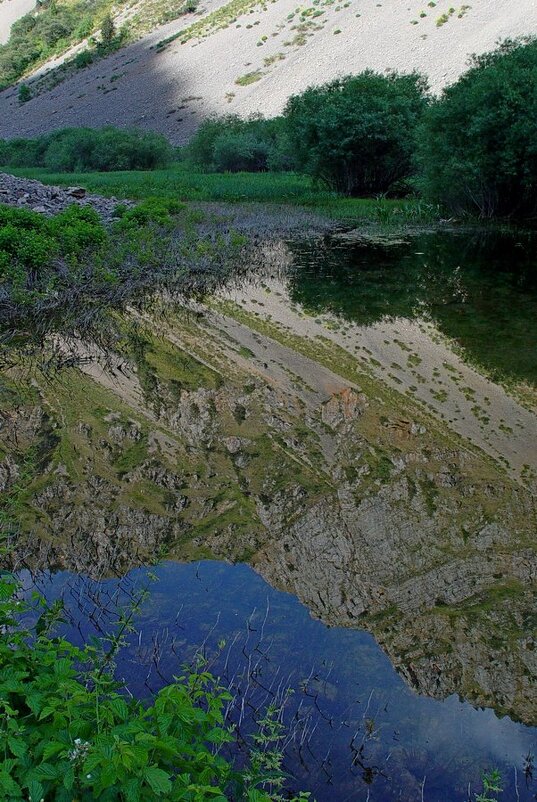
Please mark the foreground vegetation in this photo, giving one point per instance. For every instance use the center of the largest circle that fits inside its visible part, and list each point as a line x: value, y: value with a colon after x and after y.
x: 69, y: 731
x: 184, y: 183
x: 68, y: 274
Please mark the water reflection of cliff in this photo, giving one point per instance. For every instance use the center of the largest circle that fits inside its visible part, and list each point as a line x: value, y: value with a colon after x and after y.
x: 225, y: 443
x: 455, y: 628
x: 426, y: 548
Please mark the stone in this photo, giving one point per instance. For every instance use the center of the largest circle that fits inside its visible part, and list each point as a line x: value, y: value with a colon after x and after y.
x: 29, y: 194
x: 76, y: 192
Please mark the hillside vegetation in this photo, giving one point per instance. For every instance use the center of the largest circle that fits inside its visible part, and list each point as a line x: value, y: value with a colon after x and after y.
x: 244, y: 57
x: 470, y: 151
x: 56, y: 25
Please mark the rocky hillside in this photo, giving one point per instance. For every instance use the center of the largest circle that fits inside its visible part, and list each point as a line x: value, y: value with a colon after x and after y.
x: 248, y: 56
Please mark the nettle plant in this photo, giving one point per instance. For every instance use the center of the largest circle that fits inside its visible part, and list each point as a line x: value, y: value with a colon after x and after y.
x: 70, y: 733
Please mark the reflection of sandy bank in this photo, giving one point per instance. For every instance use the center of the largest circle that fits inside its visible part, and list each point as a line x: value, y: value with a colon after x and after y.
x: 413, y: 358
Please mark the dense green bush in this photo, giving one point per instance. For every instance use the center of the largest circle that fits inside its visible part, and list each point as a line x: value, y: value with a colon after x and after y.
x: 85, y: 149
x: 69, y: 731
x: 231, y: 144
x: 357, y: 134
x: 240, y: 151
x: 24, y: 94
x: 31, y: 245
x: 478, y: 144
x: 70, y: 273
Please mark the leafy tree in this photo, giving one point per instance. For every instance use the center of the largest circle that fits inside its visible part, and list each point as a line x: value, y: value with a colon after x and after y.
x: 478, y: 144
x: 357, y: 134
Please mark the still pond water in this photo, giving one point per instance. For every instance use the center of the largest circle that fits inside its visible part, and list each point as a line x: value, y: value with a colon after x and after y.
x: 478, y: 287
x: 356, y: 730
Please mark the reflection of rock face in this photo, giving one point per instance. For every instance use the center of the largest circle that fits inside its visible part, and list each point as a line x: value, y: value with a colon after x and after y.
x: 452, y: 618
x: 362, y: 507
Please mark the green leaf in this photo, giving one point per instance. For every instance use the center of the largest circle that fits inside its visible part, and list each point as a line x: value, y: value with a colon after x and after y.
x: 52, y: 748
x: 69, y: 778
x: 216, y: 736
x: 120, y: 708
x: 17, y: 746
x: 35, y: 791
x: 131, y: 789
x: 45, y: 772
x: 158, y: 779
x: 63, y: 667
x: 9, y: 786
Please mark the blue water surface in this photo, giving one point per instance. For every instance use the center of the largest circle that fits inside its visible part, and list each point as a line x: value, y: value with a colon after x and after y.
x: 356, y: 731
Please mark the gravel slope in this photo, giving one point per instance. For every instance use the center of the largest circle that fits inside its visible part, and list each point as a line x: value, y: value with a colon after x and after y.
x: 172, y: 89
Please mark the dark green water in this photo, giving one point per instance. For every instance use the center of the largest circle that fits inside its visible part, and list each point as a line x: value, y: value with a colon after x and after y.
x: 479, y: 288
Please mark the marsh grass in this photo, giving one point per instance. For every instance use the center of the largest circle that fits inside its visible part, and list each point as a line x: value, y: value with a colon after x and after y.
x: 184, y: 183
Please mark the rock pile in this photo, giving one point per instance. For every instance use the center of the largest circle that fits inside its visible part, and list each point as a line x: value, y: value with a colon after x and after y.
x: 26, y: 193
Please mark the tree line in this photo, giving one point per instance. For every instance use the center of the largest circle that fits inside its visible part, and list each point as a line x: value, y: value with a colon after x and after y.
x: 473, y: 149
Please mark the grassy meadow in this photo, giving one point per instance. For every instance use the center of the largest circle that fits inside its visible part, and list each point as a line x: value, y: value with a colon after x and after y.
x: 184, y: 183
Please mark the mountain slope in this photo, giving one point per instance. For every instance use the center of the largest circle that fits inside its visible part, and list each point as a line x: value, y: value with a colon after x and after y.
x: 273, y: 50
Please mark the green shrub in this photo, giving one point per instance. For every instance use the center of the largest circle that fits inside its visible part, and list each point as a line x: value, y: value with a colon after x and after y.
x: 232, y: 144
x: 69, y: 731
x: 240, y: 152
x: 249, y: 77
x: 85, y: 149
x: 31, y: 244
x: 83, y: 59
x: 25, y: 93
x: 23, y: 152
x: 357, y: 134
x: 69, y: 273
x: 108, y: 30
x: 477, y: 144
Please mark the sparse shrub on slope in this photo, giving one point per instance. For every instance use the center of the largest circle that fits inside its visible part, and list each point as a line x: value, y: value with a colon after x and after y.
x: 478, y: 145
x: 358, y: 134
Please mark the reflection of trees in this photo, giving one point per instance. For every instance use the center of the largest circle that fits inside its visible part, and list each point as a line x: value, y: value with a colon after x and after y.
x: 480, y: 288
